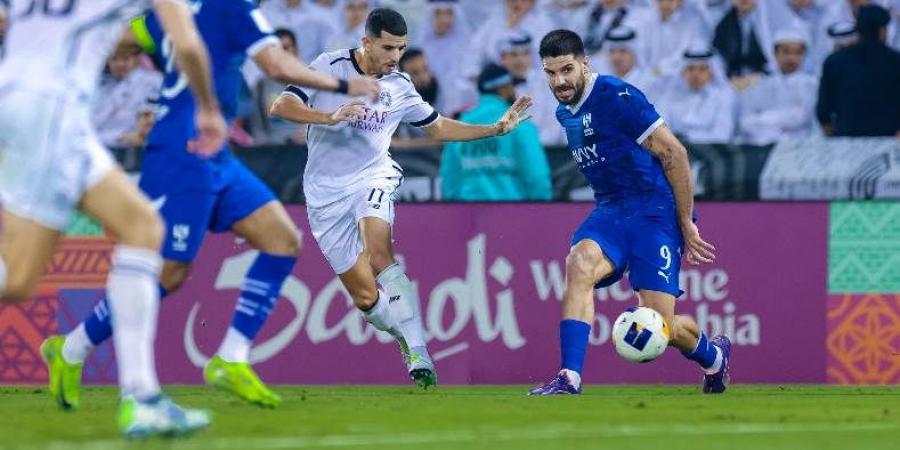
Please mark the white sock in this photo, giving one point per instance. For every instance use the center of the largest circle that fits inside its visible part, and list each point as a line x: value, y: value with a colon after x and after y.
x: 77, y: 346
x: 133, y: 294
x: 235, y: 347
x: 717, y: 364
x: 574, y: 377
x: 404, y: 304
x: 380, y: 315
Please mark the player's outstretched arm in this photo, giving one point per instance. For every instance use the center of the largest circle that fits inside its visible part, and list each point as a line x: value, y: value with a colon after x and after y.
x: 192, y: 58
x: 289, y: 107
x: 663, y: 144
x: 445, y: 129
x: 281, y: 66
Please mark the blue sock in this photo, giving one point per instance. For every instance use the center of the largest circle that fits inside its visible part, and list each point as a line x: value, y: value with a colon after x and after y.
x: 705, y: 353
x: 573, y: 342
x: 98, y: 324
x: 260, y: 291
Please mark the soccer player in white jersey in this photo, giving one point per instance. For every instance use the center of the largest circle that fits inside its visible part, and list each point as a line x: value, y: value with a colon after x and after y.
x: 350, y: 178
x: 53, y: 163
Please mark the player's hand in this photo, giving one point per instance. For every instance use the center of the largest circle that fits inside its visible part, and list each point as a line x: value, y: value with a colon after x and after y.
x: 211, y: 132
x: 696, y: 250
x: 363, y: 87
x: 347, y: 111
x: 514, y: 115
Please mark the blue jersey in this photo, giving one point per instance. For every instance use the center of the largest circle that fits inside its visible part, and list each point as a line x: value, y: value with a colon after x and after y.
x: 604, y: 131
x: 232, y: 30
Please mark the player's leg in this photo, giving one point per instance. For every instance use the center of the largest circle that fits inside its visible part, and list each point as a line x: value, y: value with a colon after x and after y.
x: 132, y: 291
x: 186, y: 215
x: 270, y: 230
x: 403, y: 301
x: 594, y: 259
x: 359, y: 280
x: 654, y: 273
x: 26, y: 246
x: 710, y: 354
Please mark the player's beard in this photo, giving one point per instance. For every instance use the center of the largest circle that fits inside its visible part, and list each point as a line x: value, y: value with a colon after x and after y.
x: 577, y: 91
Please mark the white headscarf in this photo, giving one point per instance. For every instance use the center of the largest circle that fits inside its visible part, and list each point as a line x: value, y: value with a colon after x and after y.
x: 445, y: 52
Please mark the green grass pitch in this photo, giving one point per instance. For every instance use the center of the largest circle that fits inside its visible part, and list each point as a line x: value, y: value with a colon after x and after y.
x: 485, y: 417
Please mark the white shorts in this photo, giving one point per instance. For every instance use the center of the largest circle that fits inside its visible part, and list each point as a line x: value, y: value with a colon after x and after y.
x: 336, y: 226
x: 49, y: 155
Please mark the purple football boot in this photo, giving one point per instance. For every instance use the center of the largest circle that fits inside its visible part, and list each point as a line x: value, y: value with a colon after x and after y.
x: 718, y: 382
x: 559, y: 385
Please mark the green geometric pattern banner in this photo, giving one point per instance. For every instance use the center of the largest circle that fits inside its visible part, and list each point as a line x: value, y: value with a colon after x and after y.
x: 82, y: 225
x: 864, y: 247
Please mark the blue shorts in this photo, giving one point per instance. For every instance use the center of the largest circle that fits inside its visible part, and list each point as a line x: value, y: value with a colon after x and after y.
x: 194, y: 195
x: 647, y: 247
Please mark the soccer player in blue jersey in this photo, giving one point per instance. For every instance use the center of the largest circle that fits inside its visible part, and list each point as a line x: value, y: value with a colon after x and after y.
x: 196, y: 194
x: 642, y: 222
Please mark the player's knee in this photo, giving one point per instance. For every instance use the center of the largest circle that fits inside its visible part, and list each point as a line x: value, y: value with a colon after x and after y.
x: 145, y: 230
x: 19, y: 287
x: 676, y: 331
x: 364, y: 297
x: 582, y: 264
x: 284, y: 240
x: 291, y: 243
x: 380, y: 259
x: 173, y: 275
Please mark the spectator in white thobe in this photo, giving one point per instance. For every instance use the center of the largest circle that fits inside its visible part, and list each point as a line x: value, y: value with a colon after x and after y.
x: 516, y: 52
x: 700, y: 104
x: 444, y: 36
x: 351, y: 27
x: 624, y: 63
x: 124, y: 102
x: 665, y: 31
x: 310, y: 23
x: 520, y: 16
x: 782, y: 105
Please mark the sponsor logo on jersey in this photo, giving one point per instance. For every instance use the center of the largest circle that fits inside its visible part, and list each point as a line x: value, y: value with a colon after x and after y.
x: 586, y: 121
x: 586, y: 156
x: 372, y: 120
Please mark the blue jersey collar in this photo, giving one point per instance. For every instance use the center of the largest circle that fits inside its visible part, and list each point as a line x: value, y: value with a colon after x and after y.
x: 587, y: 93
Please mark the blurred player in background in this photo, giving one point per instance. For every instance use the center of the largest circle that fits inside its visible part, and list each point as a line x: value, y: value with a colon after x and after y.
x: 53, y: 163
x: 642, y: 221
x: 350, y: 179
x: 196, y: 194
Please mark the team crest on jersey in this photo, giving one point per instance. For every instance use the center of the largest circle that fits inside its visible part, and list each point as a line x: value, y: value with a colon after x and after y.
x: 586, y: 121
x: 180, y: 233
x: 385, y: 99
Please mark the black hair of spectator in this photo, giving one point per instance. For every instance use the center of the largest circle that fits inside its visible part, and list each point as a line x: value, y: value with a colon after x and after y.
x: 282, y: 33
x: 561, y: 43
x: 870, y: 20
x: 385, y: 20
x: 409, y: 55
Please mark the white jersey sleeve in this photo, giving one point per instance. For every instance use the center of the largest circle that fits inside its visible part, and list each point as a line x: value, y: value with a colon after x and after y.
x: 416, y: 111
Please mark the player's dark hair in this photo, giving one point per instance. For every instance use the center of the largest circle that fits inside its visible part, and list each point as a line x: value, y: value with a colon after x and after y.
x: 561, y: 43
x: 387, y: 20
x: 409, y: 55
x: 282, y: 33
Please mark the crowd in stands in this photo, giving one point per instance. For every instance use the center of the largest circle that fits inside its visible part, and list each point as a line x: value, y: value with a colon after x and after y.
x: 720, y: 71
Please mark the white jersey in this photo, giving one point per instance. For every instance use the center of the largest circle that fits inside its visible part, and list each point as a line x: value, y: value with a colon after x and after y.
x: 63, y: 45
x: 344, y: 158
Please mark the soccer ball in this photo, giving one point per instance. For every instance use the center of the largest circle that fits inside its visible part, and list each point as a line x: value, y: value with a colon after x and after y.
x: 640, y: 334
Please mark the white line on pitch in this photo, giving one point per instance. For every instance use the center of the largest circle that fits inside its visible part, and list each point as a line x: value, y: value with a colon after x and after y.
x: 482, y: 436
